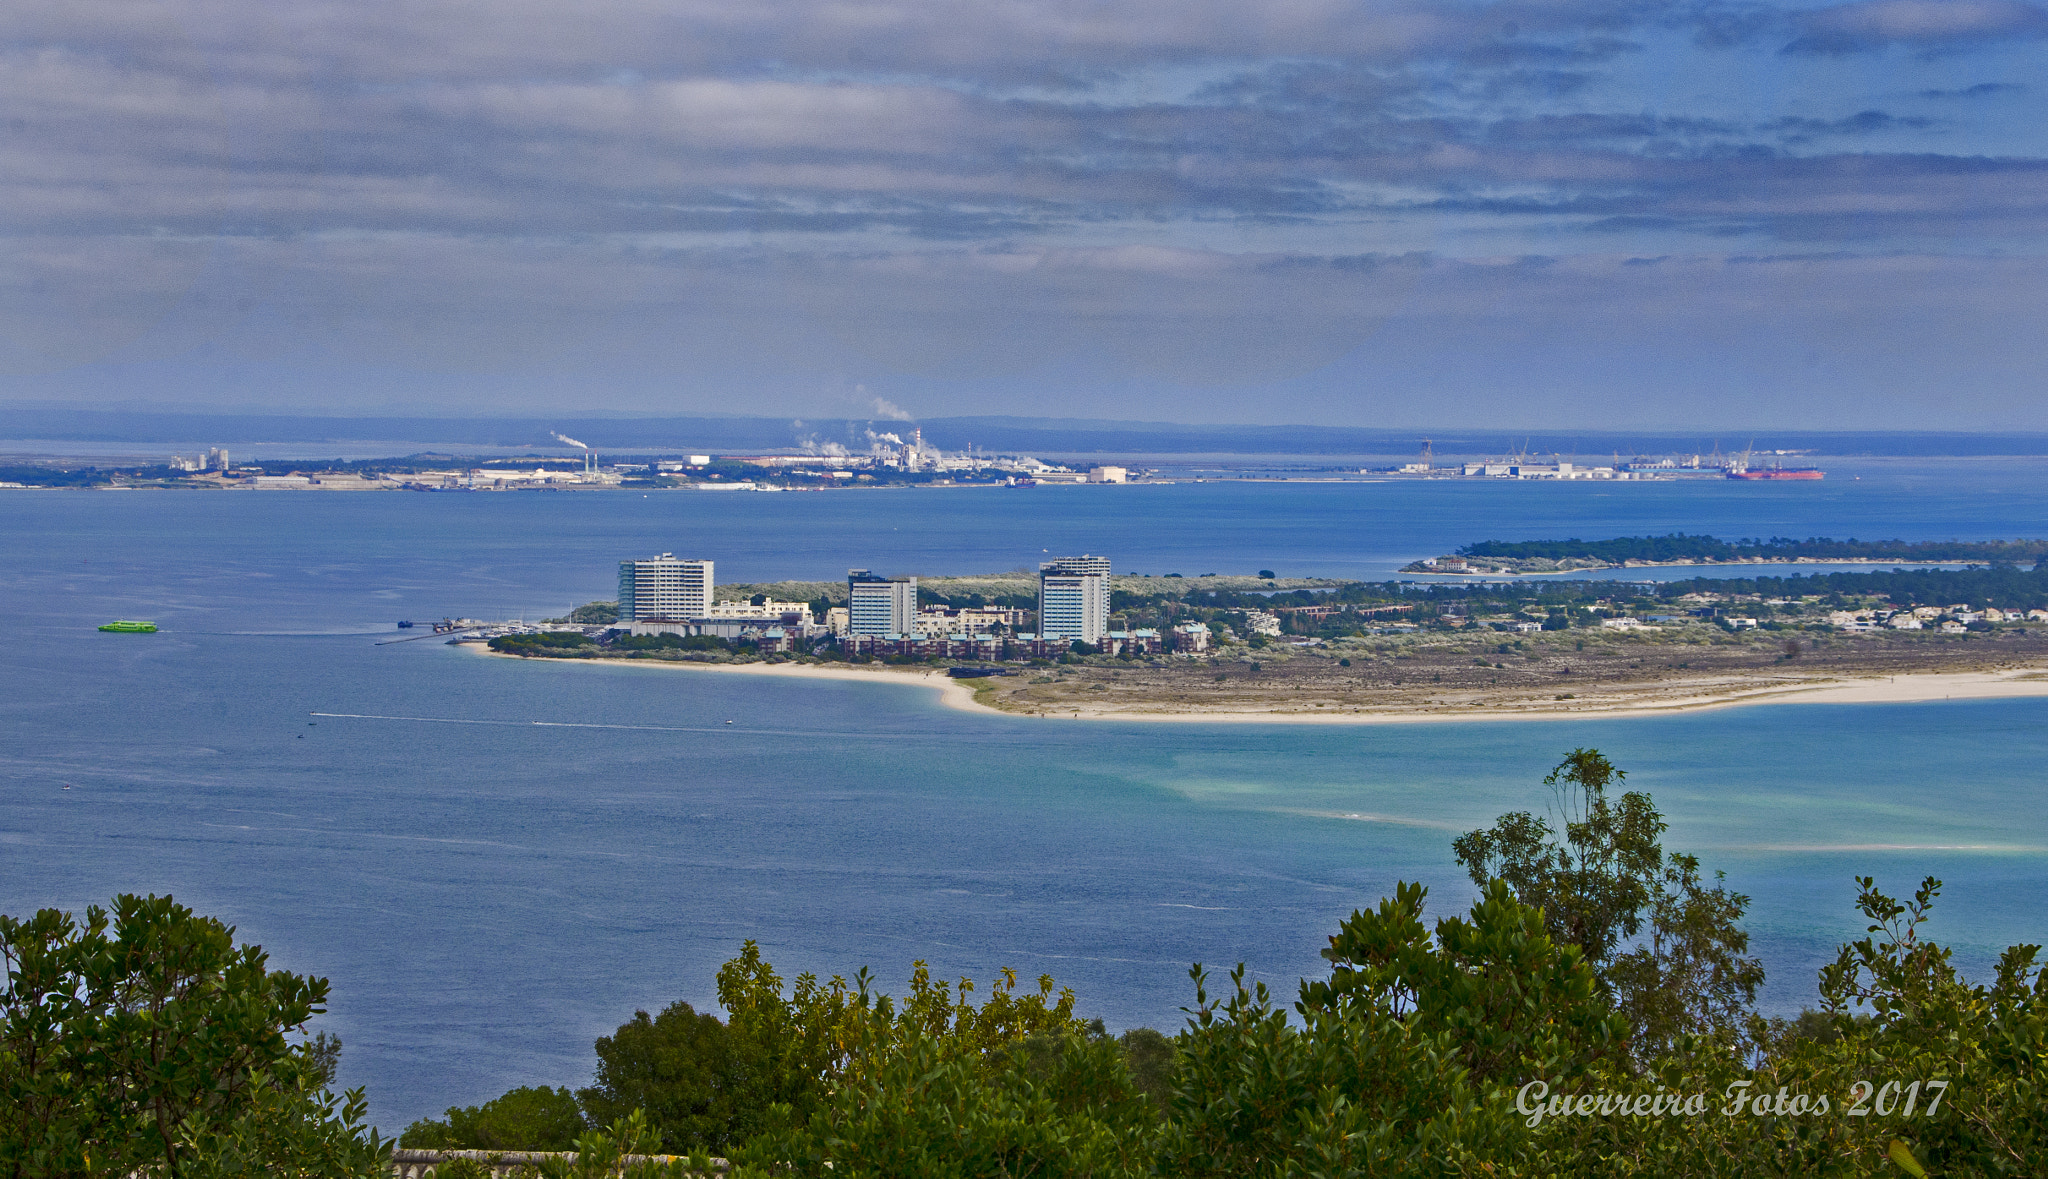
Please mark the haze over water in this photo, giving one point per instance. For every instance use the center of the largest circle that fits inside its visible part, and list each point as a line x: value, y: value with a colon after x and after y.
x: 490, y: 896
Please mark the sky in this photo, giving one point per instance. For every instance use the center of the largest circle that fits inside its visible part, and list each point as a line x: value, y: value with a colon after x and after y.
x: 1589, y: 213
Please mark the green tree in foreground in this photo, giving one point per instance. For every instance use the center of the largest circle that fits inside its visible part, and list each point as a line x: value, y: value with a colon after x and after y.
x: 936, y: 1086
x: 146, y: 1041
x: 1669, y: 950
x: 534, y: 1118
x: 1402, y: 1056
x: 680, y: 1068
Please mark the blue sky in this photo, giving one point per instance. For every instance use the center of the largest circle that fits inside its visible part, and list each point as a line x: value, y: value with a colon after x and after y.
x: 1554, y: 212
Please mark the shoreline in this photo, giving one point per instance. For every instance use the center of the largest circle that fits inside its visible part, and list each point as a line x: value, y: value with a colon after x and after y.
x: 959, y: 695
x: 1628, y: 565
x: 954, y: 694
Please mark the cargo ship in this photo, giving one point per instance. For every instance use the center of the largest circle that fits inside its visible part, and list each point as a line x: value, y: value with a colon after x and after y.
x: 123, y: 626
x: 1779, y: 473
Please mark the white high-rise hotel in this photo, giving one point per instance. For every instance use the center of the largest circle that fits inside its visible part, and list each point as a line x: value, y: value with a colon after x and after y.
x: 885, y: 606
x: 1073, y: 598
x: 664, y: 590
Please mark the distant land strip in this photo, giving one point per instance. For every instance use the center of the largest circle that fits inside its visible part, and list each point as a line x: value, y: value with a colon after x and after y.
x: 22, y: 421
x: 1677, y: 548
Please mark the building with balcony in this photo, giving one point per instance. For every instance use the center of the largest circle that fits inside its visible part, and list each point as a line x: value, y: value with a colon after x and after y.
x: 880, y: 605
x: 664, y: 589
x: 1073, y: 598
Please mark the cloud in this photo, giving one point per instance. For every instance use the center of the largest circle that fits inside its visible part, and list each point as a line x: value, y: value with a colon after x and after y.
x: 1797, y: 129
x: 1207, y: 193
x: 1930, y: 25
x: 1980, y: 90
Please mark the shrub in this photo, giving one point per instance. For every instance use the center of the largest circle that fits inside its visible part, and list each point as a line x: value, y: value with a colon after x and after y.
x: 528, y: 1118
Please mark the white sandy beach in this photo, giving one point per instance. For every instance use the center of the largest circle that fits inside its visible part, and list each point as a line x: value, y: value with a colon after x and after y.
x: 1903, y: 689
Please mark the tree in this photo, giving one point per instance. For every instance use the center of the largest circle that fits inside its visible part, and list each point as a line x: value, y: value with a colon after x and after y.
x: 531, y: 1118
x: 935, y: 1085
x: 1150, y: 1057
x: 681, y: 1068
x: 1407, y: 1055
x: 148, y: 1041
x: 595, y: 613
x: 1669, y: 950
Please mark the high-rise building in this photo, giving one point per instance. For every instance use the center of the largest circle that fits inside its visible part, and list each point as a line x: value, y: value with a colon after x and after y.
x: 880, y: 605
x: 664, y: 589
x: 1073, y: 598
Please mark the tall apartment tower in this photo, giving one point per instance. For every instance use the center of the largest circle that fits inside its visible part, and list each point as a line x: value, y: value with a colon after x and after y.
x: 664, y: 590
x: 1073, y: 598
x: 880, y: 605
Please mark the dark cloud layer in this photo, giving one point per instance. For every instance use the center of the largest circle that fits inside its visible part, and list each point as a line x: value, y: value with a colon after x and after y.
x: 1921, y: 24
x: 1171, y: 193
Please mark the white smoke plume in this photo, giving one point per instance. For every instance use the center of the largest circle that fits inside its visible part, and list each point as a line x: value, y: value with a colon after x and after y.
x: 568, y: 440
x: 883, y: 407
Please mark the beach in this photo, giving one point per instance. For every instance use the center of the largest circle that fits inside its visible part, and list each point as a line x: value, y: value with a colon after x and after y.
x: 1675, y: 695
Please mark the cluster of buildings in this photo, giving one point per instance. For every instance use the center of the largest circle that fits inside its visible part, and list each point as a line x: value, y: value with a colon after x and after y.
x: 882, y: 616
x: 831, y: 465
x: 215, y: 459
x: 1945, y: 618
x: 1524, y: 466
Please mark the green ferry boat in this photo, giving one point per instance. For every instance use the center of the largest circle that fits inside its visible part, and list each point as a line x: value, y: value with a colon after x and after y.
x: 131, y: 628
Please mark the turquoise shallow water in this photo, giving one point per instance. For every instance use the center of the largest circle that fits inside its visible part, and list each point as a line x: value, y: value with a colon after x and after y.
x: 490, y: 897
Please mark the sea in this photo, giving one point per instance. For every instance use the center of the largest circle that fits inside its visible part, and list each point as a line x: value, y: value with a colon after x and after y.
x: 496, y: 862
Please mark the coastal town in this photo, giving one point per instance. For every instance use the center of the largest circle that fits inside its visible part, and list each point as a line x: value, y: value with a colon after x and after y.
x: 665, y: 601
x: 886, y: 459
x: 1076, y: 634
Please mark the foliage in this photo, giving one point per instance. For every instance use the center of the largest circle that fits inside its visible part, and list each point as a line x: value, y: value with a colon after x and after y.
x: 1150, y: 1057
x: 669, y: 642
x: 1938, y: 1073
x: 534, y: 1118
x: 1405, y: 1054
x: 938, y: 1086
x: 927, y: 1105
x: 595, y: 613
x: 681, y: 1069
x: 1409, y: 1059
x: 1560, y: 604
x: 546, y: 642
x: 1669, y: 950
x: 1926, y: 1021
x: 148, y: 1041
x: 35, y: 476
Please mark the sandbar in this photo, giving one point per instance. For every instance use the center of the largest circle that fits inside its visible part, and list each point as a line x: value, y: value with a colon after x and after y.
x: 959, y: 694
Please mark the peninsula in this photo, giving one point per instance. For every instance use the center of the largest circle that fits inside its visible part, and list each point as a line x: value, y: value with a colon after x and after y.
x: 1306, y: 649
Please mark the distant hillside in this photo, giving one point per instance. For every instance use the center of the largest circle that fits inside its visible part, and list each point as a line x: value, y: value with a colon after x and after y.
x: 992, y: 433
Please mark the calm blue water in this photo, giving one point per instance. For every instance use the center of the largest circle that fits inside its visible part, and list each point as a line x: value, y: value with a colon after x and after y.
x: 488, y: 898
